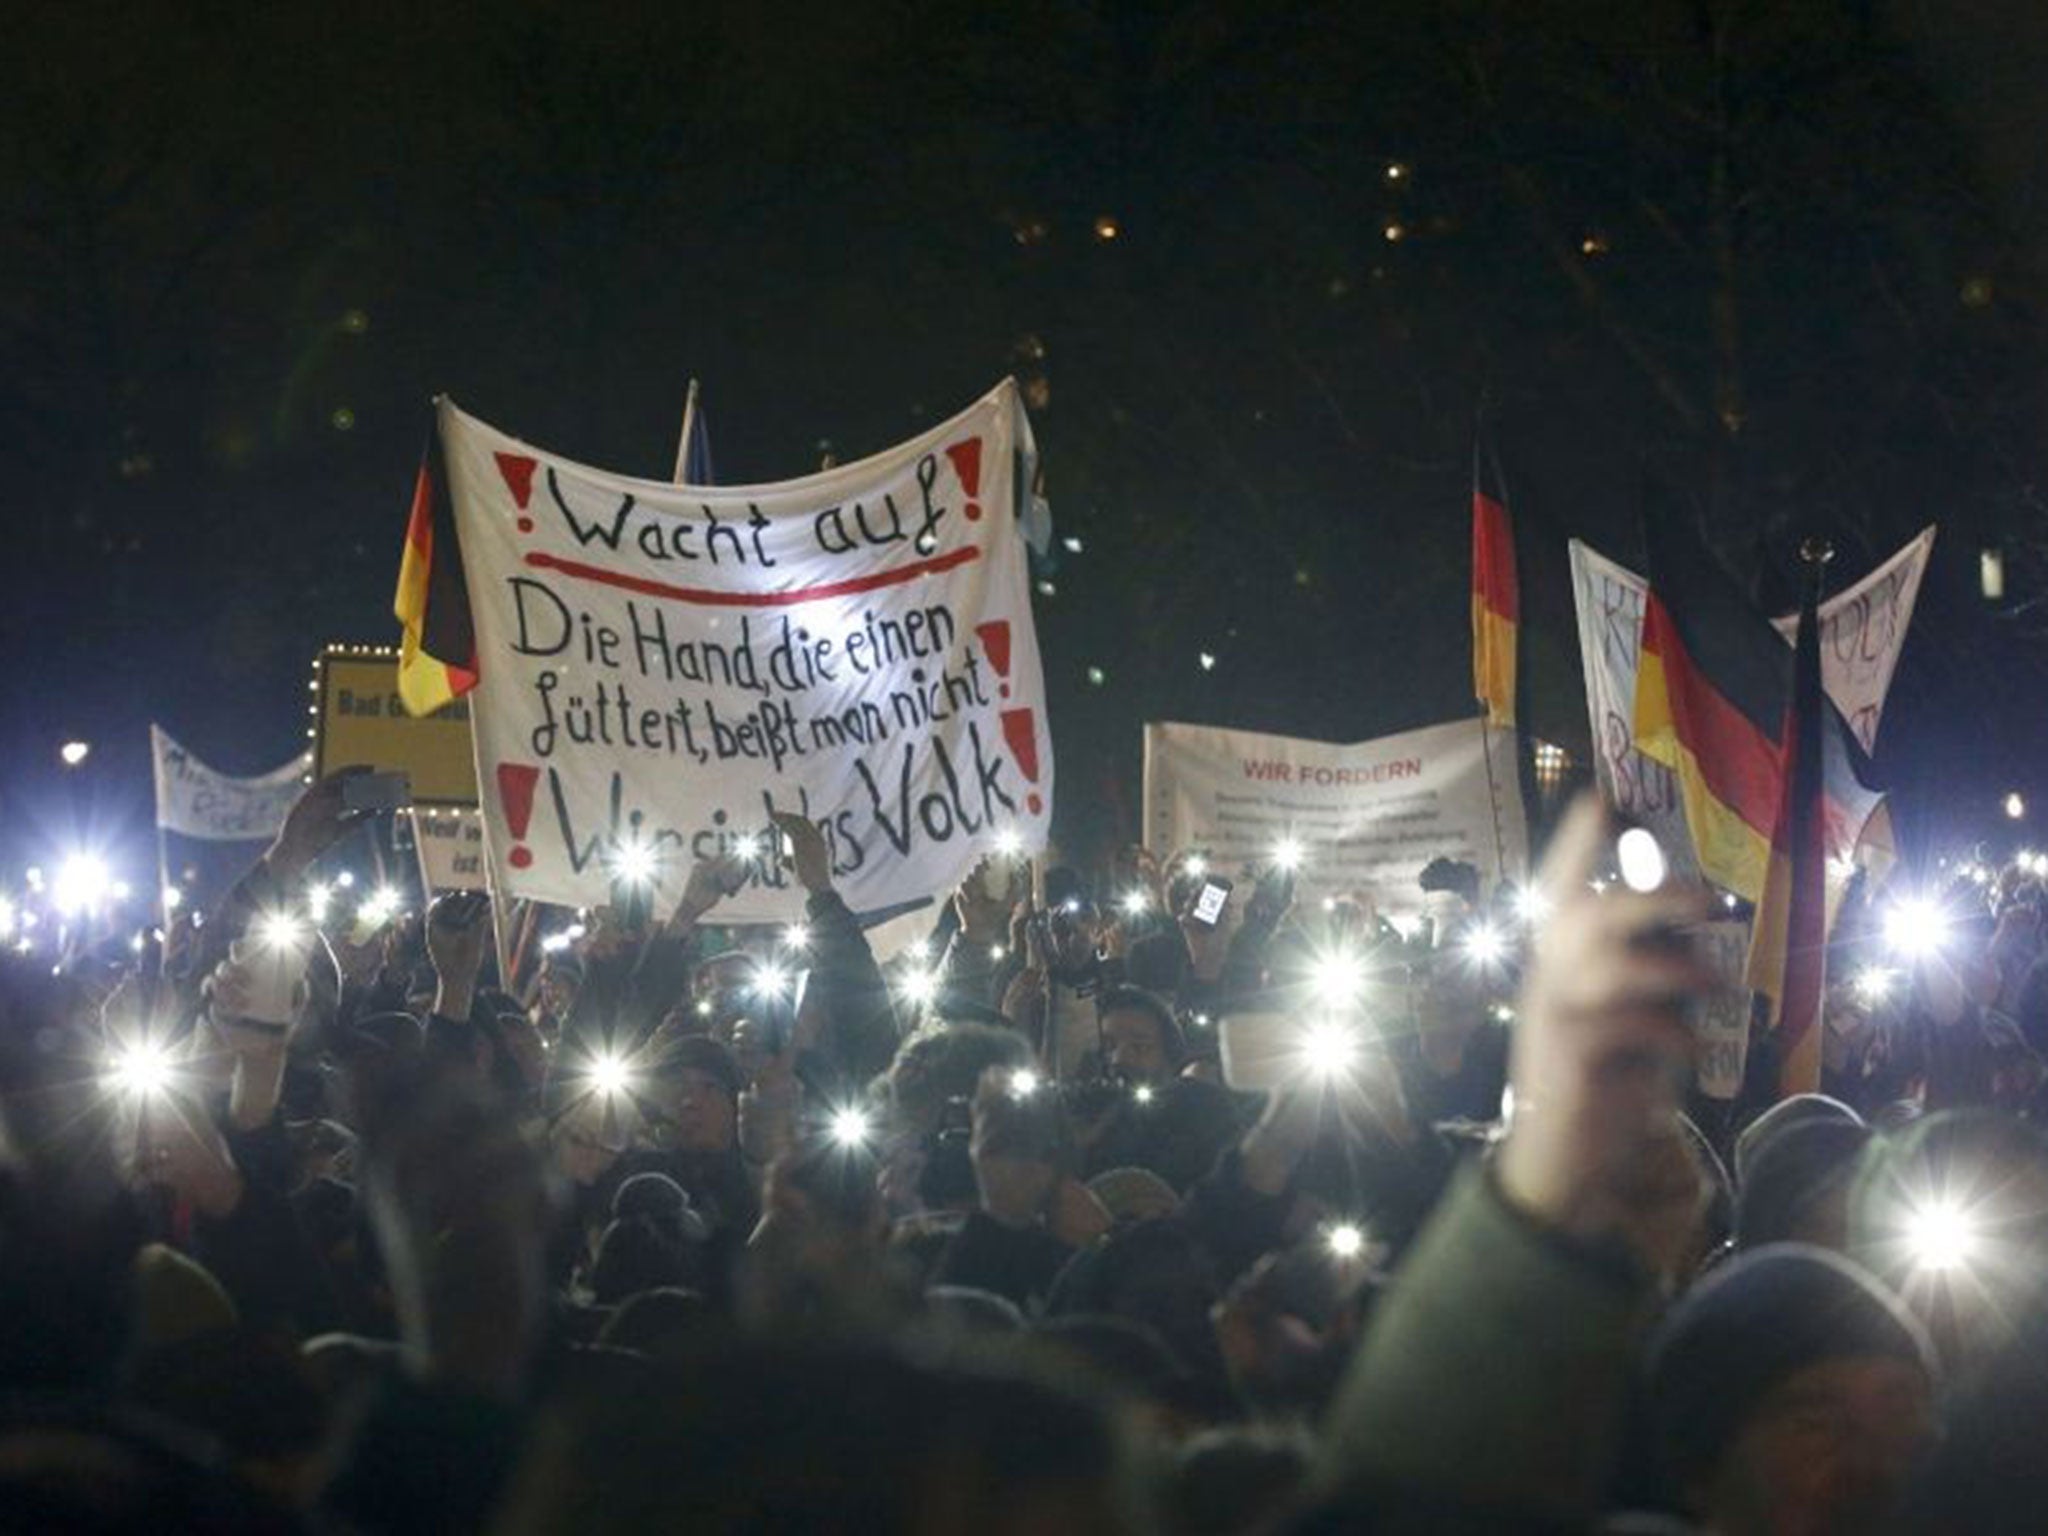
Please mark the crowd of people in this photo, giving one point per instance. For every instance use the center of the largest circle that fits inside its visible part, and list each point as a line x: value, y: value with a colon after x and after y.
x: 1109, y: 1205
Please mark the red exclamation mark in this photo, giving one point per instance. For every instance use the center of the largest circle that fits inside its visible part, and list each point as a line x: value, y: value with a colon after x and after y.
x: 1020, y: 730
x: 515, y: 791
x: 518, y: 469
x: 966, y: 459
x: 995, y: 639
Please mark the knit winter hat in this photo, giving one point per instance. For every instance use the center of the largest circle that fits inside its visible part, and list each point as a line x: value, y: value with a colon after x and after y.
x: 1800, y: 1109
x: 1794, y: 1170
x: 1752, y: 1324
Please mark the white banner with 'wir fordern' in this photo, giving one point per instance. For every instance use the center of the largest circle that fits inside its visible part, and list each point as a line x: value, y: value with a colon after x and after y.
x: 1366, y: 816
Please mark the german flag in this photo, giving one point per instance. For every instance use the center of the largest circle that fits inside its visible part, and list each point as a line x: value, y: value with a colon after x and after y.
x: 1711, y: 693
x: 1788, y: 941
x: 437, y: 652
x: 1496, y: 592
x: 1827, y: 811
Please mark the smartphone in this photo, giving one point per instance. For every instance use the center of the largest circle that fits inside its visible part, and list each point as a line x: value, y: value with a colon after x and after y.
x: 376, y: 792
x: 1260, y: 1052
x: 274, y: 971
x: 1210, y: 902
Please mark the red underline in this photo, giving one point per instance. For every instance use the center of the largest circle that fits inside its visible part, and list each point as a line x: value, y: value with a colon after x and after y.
x: 716, y: 599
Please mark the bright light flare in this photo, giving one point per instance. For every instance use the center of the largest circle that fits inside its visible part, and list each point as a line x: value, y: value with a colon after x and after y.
x: 279, y: 931
x: 610, y: 1076
x: 1195, y: 865
x: 851, y: 1127
x: 1531, y: 905
x: 771, y: 982
x: 555, y: 943
x: 1135, y: 904
x: 919, y: 987
x: 1874, y: 983
x: 141, y: 1070
x: 1339, y: 980
x: 796, y: 936
x: 1942, y: 1235
x: 1328, y: 1050
x: 746, y: 847
x: 381, y: 907
x: 1288, y: 854
x: 2015, y: 806
x: 1484, y: 946
x: 1916, y: 927
x: 72, y: 753
x: 318, y: 898
x: 632, y: 863
x: 1143, y: 1093
x: 82, y: 885
x: 174, y: 898
x: 1345, y: 1240
x: 1024, y: 1083
x: 1009, y: 843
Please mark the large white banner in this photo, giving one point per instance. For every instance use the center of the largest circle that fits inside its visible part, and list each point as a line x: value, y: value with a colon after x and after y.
x: 664, y: 666
x: 194, y: 800
x: 1368, y: 817
x: 1610, y: 600
x: 1861, y: 631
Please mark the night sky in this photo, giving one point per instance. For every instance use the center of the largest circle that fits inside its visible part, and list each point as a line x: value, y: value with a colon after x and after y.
x: 1778, y: 269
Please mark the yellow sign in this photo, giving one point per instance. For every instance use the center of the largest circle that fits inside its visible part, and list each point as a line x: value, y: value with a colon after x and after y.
x: 357, y: 718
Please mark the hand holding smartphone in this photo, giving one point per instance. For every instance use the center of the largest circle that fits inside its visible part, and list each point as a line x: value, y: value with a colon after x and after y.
x: 1210, y: 902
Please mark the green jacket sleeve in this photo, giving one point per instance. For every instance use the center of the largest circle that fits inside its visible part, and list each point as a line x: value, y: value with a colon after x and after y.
x: 1495, y: 1368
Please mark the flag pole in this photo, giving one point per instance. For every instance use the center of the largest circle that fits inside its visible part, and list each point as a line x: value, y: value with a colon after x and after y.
x: 1500, y: 847
x: 683, y: 441
x: 163, y: 875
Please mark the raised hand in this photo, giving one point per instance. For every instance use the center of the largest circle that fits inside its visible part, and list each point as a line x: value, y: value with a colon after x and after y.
x: 710, y: 882
x: 1600, y: 1049
x: 1209, y: 943
x: 808, y: 855
x: 315, y: 823
x: 458, y: 927
x: 983, y: 917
